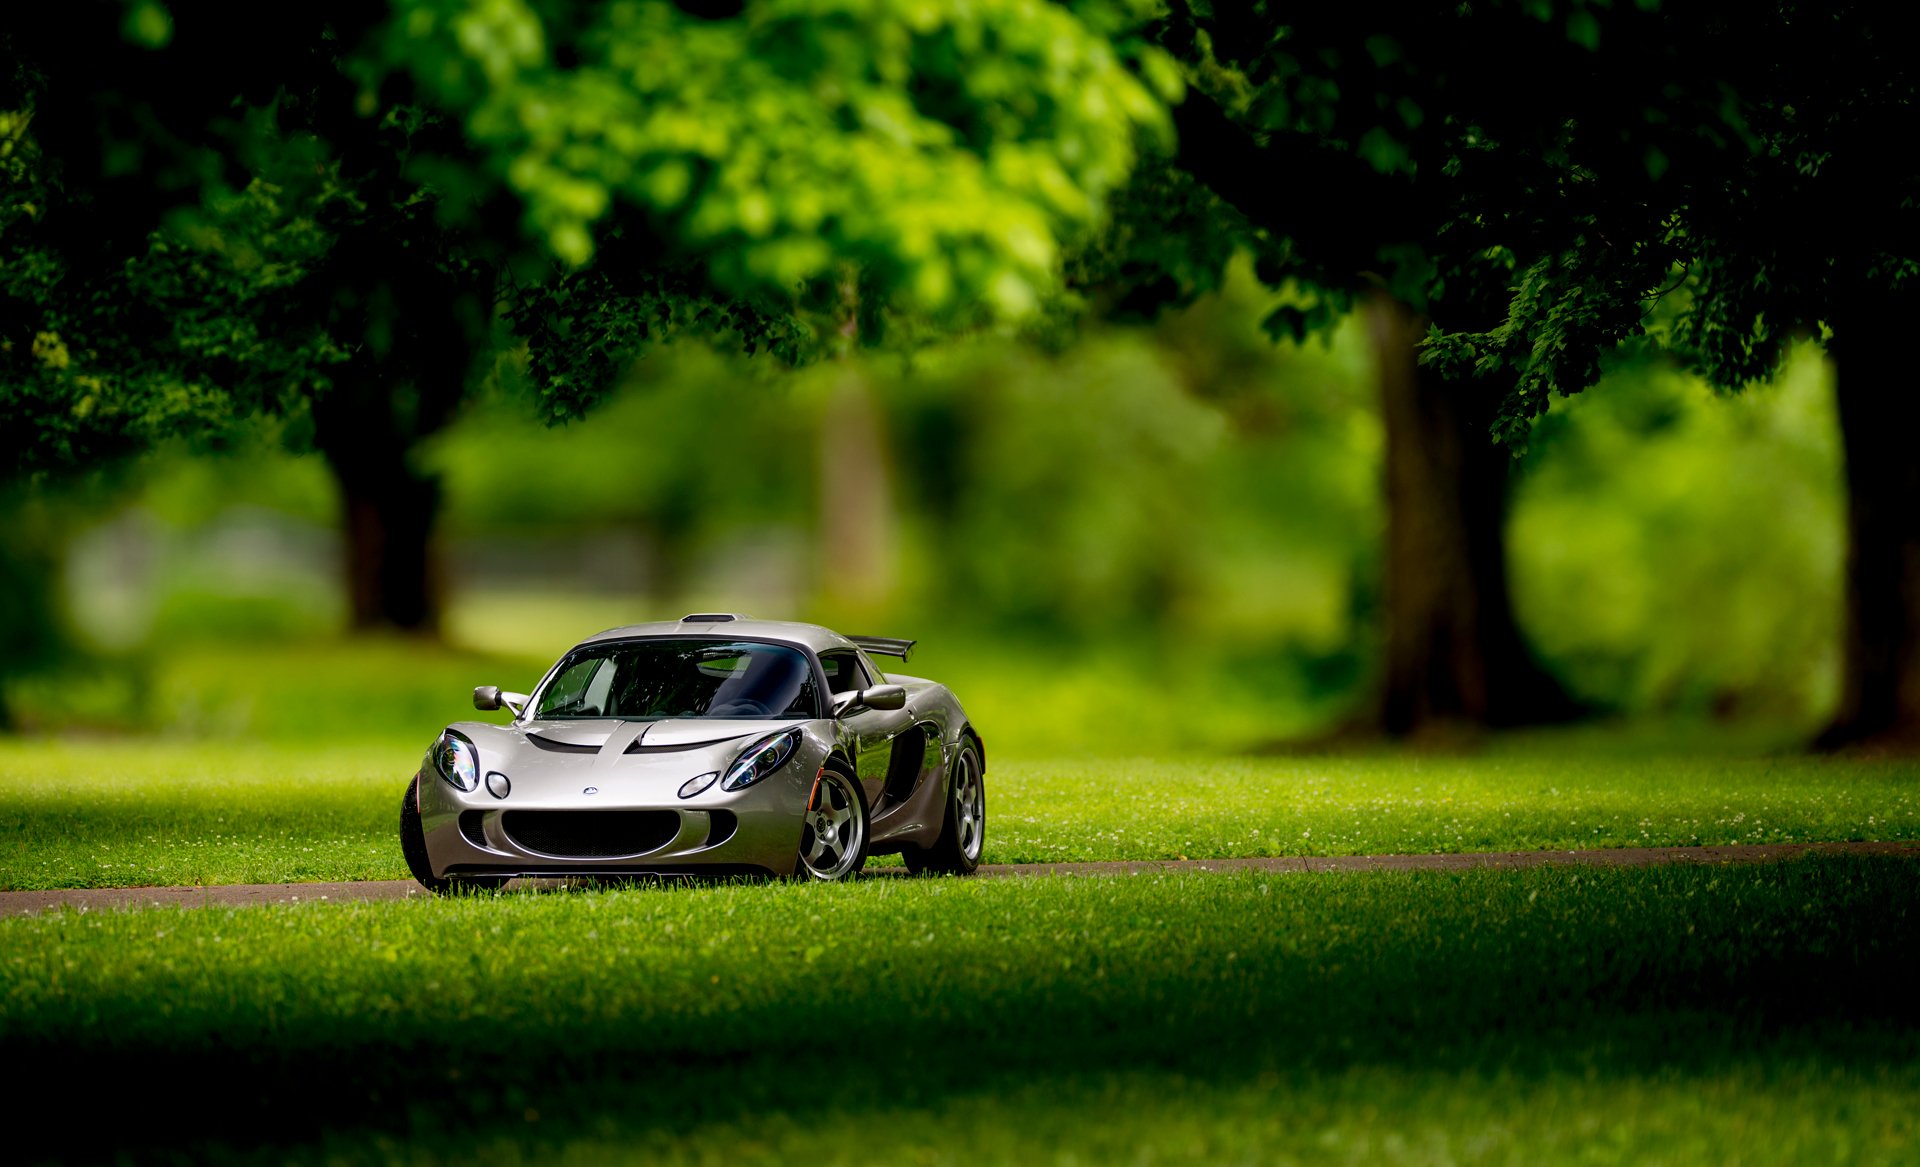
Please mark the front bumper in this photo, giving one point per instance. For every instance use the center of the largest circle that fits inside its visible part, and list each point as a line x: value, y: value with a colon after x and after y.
x: 632, y: 827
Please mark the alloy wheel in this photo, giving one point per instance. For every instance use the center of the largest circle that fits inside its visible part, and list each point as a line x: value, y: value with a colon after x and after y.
x: 834, y: 831
x: 970, y: 806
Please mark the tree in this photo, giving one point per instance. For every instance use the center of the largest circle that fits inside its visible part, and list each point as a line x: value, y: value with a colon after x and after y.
x: 1384, y: 156
x: 1785, y: 208
x: 216, y: 238
x: 351, y: 221
x: 1713, y: 180
x: 1815, y: 231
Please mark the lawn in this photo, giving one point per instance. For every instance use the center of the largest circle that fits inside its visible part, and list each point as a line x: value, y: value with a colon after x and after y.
x: 1676, y: 1015
x: 130, y: 812
x: 1667, y: 1015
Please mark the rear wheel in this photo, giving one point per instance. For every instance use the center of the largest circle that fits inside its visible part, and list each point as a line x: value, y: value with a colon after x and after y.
x: 833, y: 833
x: 413, y: 845
x: 963, y: 830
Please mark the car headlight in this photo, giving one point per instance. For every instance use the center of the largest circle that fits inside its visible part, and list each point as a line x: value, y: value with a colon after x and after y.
x: 456, y: 761
x: 761, y: 759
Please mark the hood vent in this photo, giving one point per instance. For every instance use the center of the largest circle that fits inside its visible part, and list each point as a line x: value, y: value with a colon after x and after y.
x: 711, y: 618
x: 552, y: 746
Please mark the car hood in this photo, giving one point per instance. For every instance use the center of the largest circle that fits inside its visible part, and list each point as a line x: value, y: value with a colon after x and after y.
x: 551, y: 762
x: 681, y: 732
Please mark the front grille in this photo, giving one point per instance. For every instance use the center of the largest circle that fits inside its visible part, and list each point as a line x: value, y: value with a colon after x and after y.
x: 590, y: 834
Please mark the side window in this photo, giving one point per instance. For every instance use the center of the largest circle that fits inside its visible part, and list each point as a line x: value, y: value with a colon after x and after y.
x: 844, y: 672
x: 564, y: 697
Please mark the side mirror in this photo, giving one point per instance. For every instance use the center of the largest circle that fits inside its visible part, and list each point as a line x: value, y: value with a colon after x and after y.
x: 490, y: 697
x: 885, y: 697
x: 878, y: 697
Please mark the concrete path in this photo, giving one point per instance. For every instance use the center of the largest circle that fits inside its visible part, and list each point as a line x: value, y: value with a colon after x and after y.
x: 27, y: 903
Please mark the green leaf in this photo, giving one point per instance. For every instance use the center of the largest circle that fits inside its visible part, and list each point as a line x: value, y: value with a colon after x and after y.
x: 1583, y: 29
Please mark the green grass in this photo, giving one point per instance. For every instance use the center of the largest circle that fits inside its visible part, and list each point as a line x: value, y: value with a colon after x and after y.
x: 140, y: 812
x: 1539, y: 797
x: 1669, y: 1015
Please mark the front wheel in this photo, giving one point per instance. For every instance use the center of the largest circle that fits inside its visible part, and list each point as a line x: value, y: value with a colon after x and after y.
x: 413, y: 841
x: 963, y: 831
x: 413, y: 845
x: 833, y: 832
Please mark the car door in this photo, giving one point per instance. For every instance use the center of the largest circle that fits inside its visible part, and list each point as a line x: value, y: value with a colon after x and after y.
x: 874, y: 730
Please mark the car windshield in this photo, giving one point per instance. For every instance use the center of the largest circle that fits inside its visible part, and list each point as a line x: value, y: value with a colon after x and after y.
x: 641, y: 680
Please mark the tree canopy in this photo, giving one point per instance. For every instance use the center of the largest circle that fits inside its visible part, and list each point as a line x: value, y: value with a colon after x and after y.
x: 1713, y: 179
x: 944, y: 148
x: 187, y: 235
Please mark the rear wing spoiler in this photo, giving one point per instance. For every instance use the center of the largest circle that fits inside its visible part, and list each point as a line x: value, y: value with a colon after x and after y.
x: 885, y: 645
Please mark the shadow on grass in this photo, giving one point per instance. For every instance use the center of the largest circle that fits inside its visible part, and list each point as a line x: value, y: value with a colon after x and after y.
x: 1058, y: 988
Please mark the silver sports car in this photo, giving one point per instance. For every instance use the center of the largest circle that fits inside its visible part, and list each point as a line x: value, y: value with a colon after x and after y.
x: 715, y: 745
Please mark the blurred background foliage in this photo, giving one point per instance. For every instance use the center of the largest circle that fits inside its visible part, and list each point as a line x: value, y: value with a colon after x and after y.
x: 1159, y: 537
x: 279, y: 334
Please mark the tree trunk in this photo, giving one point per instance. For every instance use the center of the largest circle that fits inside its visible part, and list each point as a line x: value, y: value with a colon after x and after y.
x: 856, y: 500
x: 1454, y: 655
x: 388, y: 510
x: 1880, y: 684
x: 392, y: 568
x: 32, y: 633
x: 856, y: 496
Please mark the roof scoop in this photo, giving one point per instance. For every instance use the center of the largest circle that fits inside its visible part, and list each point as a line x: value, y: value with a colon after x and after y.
x: 712, y: 617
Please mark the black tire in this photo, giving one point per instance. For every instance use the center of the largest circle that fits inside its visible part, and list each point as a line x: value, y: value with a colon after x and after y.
x: 957, y: 850
x: 413, y: 845
x: 836, y: 779
x: 413, y: 841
